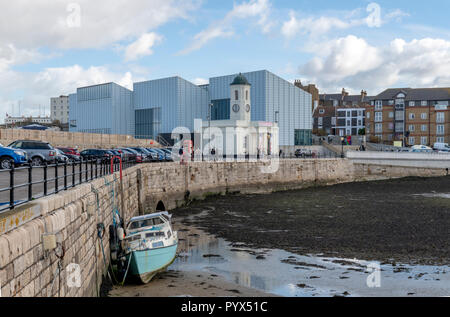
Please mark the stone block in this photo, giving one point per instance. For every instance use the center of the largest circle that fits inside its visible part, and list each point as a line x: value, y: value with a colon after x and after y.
x: 19, y: 266
x: 4, y: 252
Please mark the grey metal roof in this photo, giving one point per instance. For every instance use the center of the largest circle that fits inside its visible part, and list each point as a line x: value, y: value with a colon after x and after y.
x: 416, y: 94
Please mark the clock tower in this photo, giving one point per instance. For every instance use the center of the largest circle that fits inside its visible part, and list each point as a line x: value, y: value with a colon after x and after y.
x: 240, y: 102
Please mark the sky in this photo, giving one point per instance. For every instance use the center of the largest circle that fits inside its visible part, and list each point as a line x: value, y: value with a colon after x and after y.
x: 50, y: 47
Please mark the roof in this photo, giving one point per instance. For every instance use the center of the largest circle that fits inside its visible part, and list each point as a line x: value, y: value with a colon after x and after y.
x: 347, y: 98
x: 413, y: 94
x: 164, y: 213
x: 240, y: 80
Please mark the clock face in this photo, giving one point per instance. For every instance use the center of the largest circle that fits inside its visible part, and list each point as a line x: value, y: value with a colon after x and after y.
x: 236, y: 108
x: 247, y: 108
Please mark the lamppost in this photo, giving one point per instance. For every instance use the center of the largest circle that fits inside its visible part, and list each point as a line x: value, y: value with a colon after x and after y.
x: 342, y: 144
x: 211, y: 105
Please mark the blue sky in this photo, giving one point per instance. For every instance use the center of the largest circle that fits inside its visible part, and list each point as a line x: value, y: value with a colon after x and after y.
x: 57, y: 46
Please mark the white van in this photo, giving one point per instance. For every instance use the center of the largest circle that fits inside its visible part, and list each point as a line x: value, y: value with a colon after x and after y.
x: 443, y: 147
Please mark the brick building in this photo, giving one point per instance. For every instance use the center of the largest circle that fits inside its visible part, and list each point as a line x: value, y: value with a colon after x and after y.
x: 340, y: 114
x: 414, y: 116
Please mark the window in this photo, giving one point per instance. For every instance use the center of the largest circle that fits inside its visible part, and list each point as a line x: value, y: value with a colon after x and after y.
x: 378, y: 105
x: 440, y: 139
x: 412, y: 116
x: 440, y: 129
x: 391, y: 114
x: 349, y: 123
x: 412, y: 103
x: 246, y: 95
x: 378, y: 128
x: 236, y: 95
x: 378, y: 116
x: 391, y: 126
x: 360, y: 113
x: 399, y: 127
x: 321, y: 111
x: 391, y: 102
x: 412, y: 140
x: 424, y: 103
x: 320, y: 121
x: 412, y: 128
x: 368, y: 115
x: 423, y: 116
x: 440, y: 117
x: 423, y: 140
x: 424, y: 128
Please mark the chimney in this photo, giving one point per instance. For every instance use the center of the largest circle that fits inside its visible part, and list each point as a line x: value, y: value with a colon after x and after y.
x: 344, y: 93
x: 298, y: 83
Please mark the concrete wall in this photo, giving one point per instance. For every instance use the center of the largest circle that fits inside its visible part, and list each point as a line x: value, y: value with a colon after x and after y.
x: 72, y: 139
x: 403, y: 159
x: 27, y: 270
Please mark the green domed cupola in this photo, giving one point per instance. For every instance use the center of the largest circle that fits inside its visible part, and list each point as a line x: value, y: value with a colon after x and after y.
x: 240, y: 80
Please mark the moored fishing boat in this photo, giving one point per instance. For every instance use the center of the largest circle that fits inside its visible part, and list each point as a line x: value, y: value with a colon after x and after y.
x: 150, y: 245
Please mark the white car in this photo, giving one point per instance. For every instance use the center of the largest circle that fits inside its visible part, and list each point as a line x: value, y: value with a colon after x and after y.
x: 421, y: 149
x: 441, y: 147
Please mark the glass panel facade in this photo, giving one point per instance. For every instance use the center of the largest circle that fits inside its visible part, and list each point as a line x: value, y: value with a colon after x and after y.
x: 148, y: 123
x: 303, y: 137
x: 221, y: 109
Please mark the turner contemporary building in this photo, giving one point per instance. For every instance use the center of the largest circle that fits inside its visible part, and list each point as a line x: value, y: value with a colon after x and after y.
x: 156, y: 107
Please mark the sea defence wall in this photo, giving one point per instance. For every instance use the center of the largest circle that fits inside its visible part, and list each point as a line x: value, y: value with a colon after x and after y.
x: 76, y: 218
x: 73, y: 139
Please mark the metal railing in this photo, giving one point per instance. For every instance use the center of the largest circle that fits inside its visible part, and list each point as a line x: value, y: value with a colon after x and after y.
x: 68, y: 174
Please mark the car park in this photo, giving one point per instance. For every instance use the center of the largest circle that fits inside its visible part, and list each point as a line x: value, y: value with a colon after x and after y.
x: 37, y: 151
x: 157, y: 156
x: 12, y: 157
x: 139, y: 157
x: 146, y: 157
x: 127, y: 155
x: 168, y: 155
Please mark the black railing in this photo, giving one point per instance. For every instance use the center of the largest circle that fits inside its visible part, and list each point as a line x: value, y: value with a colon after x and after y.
x: 73, y: 174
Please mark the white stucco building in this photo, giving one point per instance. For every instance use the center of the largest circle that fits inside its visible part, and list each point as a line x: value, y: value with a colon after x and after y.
x: 239, y: 136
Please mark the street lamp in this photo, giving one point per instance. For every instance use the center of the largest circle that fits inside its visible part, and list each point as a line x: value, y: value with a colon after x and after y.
x: 342, y: 143
x: 211, y: 105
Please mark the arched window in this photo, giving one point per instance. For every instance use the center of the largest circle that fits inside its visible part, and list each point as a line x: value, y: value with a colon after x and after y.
x: 236, y: 95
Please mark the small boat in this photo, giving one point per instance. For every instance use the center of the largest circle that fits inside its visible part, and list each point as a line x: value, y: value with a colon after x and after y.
x: 150, y: 245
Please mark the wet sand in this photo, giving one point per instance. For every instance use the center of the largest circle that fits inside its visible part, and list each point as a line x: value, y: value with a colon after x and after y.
x: 402, y: 220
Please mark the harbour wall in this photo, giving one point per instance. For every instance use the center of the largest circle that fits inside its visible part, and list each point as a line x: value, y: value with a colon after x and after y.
x: 75, y: 216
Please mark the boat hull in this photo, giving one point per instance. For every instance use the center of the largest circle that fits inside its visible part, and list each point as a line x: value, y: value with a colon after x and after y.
x: 146, y: 264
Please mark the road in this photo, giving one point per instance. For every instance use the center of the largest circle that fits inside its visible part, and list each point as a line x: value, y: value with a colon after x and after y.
x: 21, y: 177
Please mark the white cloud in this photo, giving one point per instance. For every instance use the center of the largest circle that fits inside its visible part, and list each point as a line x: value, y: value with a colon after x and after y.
x: 200, y: 81
x: 37, y: 88
x: 224, y: 28
x: 39, y: 23
x: 298, y: 24
x: 352, y: 62
x: 142, y: 46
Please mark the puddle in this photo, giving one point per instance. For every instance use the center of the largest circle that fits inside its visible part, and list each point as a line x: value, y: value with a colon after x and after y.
x: 286, y: 274
x: 434, y: 195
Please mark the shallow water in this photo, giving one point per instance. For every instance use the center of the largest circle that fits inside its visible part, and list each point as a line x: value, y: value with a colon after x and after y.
x: 287, y: 274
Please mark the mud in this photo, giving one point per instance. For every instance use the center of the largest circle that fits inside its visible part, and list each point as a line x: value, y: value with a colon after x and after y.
x: 403, y: 220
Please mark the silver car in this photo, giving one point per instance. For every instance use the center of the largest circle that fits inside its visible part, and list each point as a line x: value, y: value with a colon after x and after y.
x: 38, y: 152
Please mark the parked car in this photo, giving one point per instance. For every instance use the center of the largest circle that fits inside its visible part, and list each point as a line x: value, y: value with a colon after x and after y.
x: 37, y: 151
x: 157, y: 156
x: 139, y: 157
x: 127, y: 155
x: 303, y: 153
x: 60, y: 157
x: 168, y: 155
x: 146, y: 156
x: 11, y: 157
x: 71, y: 153
x: 442, y: 147
x: 102, y: 156
x: 421, y: 149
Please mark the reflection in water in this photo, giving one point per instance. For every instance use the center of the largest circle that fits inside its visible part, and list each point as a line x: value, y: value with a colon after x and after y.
x: 286, y: 274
